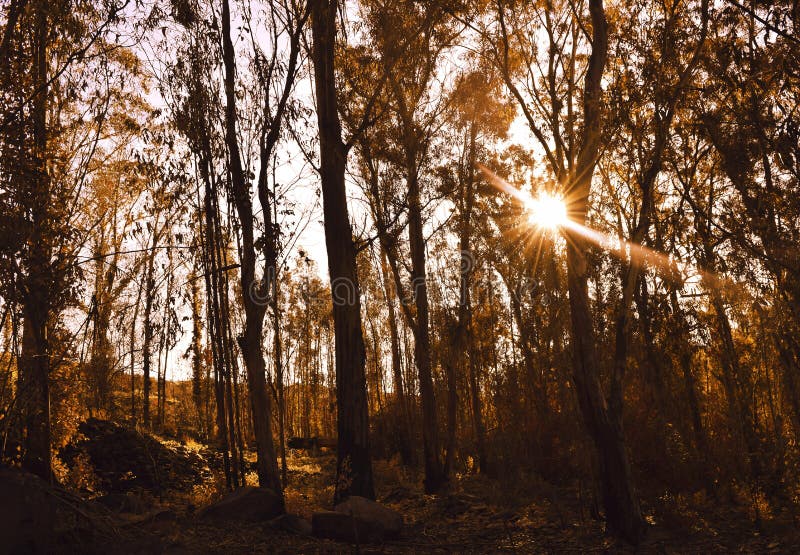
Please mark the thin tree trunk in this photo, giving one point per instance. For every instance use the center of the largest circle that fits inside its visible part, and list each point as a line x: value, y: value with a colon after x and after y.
x: 197, y: 350
x: 253, y: 296
x: 353, y: 465
x: 434, y: 470
x: 465, y: 305
x: 147, y: 345
x: 690, y: 387
x: 166, y: 330
x: 133, y: 345
x: 35, y: 358
x: 401, y: 404
x: 225, y: 342
x: 279, y: 378
x: 449, y: 365
x: 214, y: 321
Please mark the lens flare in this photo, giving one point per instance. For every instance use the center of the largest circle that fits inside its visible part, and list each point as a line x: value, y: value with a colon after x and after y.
x: 547, y: 211
x: 550, y: 212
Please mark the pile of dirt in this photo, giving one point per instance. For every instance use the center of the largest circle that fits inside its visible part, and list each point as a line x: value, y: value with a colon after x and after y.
x: 125, y: 459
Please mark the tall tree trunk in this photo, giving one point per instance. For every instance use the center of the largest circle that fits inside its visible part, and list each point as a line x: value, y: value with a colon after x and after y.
x: 465, y: 304
x: 165, y: 346
x: 279, y: 379
x: 690, y: 387
x: 214, y: 311
x: 197, y: 350
x: 603, y: 421
x: 228, y: 360
x: 736, y: 384
x: 34, y: 386
x: 253, y: 292
x: 101, y: 358
x: 449, y: 364
x: 34, y: 373
x: 147, y: 344
x: 434, y: 470
x: 353, y: 465
x: 401, y: 403
x: 133, y: 344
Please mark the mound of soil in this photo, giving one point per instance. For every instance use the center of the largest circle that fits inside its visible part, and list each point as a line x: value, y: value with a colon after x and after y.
x: 125, y: 459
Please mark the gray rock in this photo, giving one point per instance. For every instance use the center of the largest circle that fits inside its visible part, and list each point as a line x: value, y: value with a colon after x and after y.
x: 373, y: 513
x: 292, y: 524
x: 345, y: 528
x: 249, y: 504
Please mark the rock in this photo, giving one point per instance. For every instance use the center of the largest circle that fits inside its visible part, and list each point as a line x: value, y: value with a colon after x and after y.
x: 156, y: 515
x: 373, y: 513
x: 345, y: 528
x: 292, y: 524
x: 27, y: 513
x: 123, y: 503
x: 453, y: 506
x: 313, y: 444
x: 163, y: 515
x: 159, y: 520
x: 399, y: 493
x: 246, y: 504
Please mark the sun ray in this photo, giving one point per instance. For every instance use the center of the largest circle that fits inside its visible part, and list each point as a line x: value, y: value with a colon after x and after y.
x: 549, y: 212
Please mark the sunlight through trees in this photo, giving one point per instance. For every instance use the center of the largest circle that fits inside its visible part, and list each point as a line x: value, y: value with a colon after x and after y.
x: 547, y: 241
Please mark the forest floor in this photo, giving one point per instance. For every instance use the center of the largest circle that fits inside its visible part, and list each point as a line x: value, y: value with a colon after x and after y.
x: 475, y: 515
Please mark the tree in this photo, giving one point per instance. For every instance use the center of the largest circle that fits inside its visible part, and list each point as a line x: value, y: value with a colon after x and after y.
x: 479, y: 116
x: 353, y: 464
x: 571, y: 153
x: 255, y: 292
x: 49, y: 44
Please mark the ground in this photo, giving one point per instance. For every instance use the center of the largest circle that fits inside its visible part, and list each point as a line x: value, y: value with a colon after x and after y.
x: 476, y: 515
x: 164, y: 484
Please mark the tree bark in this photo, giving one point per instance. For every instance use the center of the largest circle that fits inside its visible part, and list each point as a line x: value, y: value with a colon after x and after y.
x: 34, y: 372
x: 133, y: 345
x: 465, y: 305
x: 197, y: 350
x: 214, y: 311
x: 401, y: 403
x: 279, y: 385
x: 434, y: 470
x: 147, y: 344
x: 353, y: 465
x: 253, y: 292
x: 603, y: 422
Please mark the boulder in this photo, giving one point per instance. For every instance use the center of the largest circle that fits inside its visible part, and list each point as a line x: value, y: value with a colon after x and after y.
x: 249, y: 504
x: 399, y: 493
x: 313, y: 444
x: 27, y: 513
x: 158, y: 519
x: 123, y: 503
x: 292, y: 524
x: 372, y: 512
x: 345, y: 528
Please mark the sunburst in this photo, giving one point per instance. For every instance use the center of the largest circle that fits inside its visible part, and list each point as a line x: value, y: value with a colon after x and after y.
x: 547, y: 211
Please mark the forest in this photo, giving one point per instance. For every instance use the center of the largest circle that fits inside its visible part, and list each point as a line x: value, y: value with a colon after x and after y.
x: 401, y: 276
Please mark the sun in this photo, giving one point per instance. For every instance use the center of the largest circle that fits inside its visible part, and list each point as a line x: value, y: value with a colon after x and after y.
x: 547, y: 211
